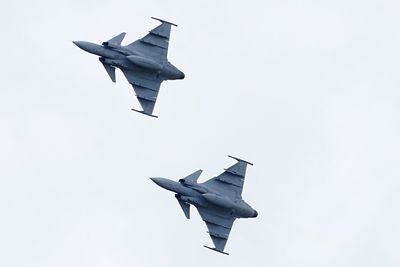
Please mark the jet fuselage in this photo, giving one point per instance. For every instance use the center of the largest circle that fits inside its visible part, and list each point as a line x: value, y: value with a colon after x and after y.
x: 124, y: 58
x: 200, y: 195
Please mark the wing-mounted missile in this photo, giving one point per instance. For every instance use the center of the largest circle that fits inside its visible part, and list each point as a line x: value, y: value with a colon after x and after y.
x: 222, y: 252
x: 240, y: 160
x: 140, y: 111
x: 164, y: 21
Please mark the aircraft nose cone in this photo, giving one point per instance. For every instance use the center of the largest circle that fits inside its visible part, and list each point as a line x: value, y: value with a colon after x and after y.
x: 156, y: 180
x: 86, y: 46
x: 78, y: 43
x: 182, y: 76
x: 159, y: 181
x: 163, y: 182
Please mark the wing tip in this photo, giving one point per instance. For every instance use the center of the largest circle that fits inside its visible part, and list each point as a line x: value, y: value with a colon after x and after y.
x: 164, y: 21
x: 222, y: 252
x: 238, y: 159
x: 141, y: 111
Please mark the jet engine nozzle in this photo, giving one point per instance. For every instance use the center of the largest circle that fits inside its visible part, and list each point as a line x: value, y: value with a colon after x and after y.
x: 255, y: 214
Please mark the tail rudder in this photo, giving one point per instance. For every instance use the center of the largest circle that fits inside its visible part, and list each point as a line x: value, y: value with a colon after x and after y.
x: 185, y: 206
x: 117, y: 40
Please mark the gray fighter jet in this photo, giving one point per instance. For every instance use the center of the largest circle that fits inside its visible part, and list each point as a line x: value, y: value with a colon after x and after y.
x: 143, y: 62
x: 218, y: 200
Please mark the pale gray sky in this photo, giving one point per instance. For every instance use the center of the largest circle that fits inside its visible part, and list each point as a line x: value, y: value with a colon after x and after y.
x: 308, y: 91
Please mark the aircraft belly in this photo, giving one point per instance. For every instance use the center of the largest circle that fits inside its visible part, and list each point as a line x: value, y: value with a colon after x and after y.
x: 196, y: 201
x: 185, y: 191
x: 116, y: 62
x: 144, y: 62
x: 107, y: 53
x: 220, y: 201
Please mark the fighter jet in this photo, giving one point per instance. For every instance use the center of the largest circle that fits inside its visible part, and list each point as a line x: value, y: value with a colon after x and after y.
x: 143, y: 62
x: 218, y: 200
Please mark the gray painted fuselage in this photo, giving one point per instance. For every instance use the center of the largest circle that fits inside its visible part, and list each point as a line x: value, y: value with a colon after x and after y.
x: 126, y: 58
x: 200, y: 195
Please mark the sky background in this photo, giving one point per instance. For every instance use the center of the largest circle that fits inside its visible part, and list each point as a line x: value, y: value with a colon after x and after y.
x: 306, y: 90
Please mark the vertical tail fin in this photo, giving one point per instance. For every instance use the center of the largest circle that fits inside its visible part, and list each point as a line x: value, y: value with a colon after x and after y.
x: 185, y: 206
x: 191, y: 178
x: 117, y: 40
x: 110, y: 69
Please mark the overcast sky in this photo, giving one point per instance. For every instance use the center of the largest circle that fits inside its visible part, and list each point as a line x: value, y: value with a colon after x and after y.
x: 306, y: 90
